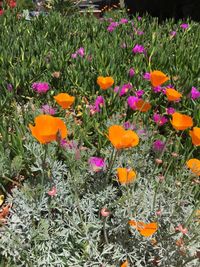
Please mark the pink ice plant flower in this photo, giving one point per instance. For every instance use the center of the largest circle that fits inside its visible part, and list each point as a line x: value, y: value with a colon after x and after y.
x: 131, y: 72
x: 170, y: 110
x: 125, y: 89
x: 173, y: 33
x: 52, y: 192
x: 159, y: 119
x: 81, y: 52
x: 146, y: 76
x: 138, y: 49
x: 99, y: 102
x: 157, y: 89
x: 194, y: 94
x: 96, y: 164
x: 131, y: 101
x: 184, y: 26
x: 46, y: 109
x: 139, y: 93
x: 40, y: 87
x: 123, y: 21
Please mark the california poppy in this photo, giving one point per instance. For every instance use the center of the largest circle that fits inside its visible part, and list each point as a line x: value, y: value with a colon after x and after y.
x: 145, y: 229
x: 142, y: 106
x: 157, y: 78
x: 64, y: 100
x: 181, y: 122
x: 105, y: 82
x: 124, y: 264
x: 195, y: 134
x: 120, y: 138
x: 125, y: 176
x: 173, y: 95
x: 47, y: 128
x: 194, y: 166
x: 4, y: 212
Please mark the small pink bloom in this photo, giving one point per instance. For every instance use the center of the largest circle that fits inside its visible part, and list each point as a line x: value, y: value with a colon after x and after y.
x: 123, y: 21
x: 81, y: 52
x: 184, y: 26
x: 146, y: 76
x: 173, y: 33
x: 180, y: 228
x: 116, y: 89
x: 159, y: 120
x: 99, y: 102
x: 9, y: 87
x: 139, y: 93
x: 52, y: 192
x: 158, y: 161
x: 125, y: 89
x: 138, y: 49
x: 131, y: 72
x: 97, y: 164
x: 105, y: 212
x: 157, y: 89
x: 74, y: 55
x: 158, y: 212
x: 158, y: 146
x: 132, y: 100
x: 195, y: 94
x: 40, y: 87
x: 170, y: 111
x: 110, y: 29
x: 46, y: 109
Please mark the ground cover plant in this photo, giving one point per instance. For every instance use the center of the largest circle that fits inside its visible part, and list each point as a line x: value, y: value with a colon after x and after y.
x: 99, y: 141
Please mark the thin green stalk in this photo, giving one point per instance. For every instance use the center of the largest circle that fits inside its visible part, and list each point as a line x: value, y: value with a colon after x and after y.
x: 111, y: 164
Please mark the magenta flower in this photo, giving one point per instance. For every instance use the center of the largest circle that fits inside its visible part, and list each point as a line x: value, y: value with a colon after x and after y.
x: 158, y: 146
x: 159, y: 119
x: 110, y: 29
x: 99, y: 102
x: 139, y: 93
x: 132, y: 100
x: 9, y: 87
x: 146, y: 76
x: 96, y: 164
x: 138, y: 49
x: 40, y: 87
x: 170, y: 111
x: 138, y: 32
x: 114, y: 24
x: 157, y: 89
x: 123, y: 21
x: 184, y: 26
x: 81, y: 52
x: 127, y: 125
x: 125, y: 89
x: 139, y: 18
x: 195, y: 94
x: 46, y: 109
x: 74, y: 55
x: 173, y: 33
x: 131, y: 72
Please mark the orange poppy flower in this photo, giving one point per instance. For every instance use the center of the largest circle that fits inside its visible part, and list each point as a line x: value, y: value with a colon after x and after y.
x: 120, y: 138
x: 194, y: 166
x: 4, y: 212
x: 181, y: 122
x: 125, y: 176
x: 64, y: 100
x: 145, y: 229
x: 157, y: 78
x: 195, y: 134
x: 47, y: 128
x: 105, y: 82
x: 173, y: 95
x: 124, y: 264
x: 142, y: 106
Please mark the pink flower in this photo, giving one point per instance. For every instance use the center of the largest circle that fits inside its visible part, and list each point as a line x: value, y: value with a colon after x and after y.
x: 99, y: 102
x: 46, y: 109
x: 81, y: 52
x: 40, y: 87
x: 195, y: 94
x: 125, y: 89
x: 71, y: 145
x: 158, y: 146
x: 123, y: 21
x: 132, y: 100
x: 170, y: 110
x: 157, y: 89
x: 180, y: 228
x: 97, y: 164
x: 116, y: 89
x: 9, y: 87
x: 74, y: 55
x: 146, y: 76
x: 173, y: 33
x: 110, y: 29
x: 184, y: 26
x: 131, y: 72
x: 139, y: 93
x: 52, y: 192
x: 138, y: 49
x: 159, y: 120
x: 139, y: 18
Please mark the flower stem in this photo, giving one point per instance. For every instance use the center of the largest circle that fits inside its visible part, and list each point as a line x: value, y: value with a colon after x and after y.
x: 111, y: 164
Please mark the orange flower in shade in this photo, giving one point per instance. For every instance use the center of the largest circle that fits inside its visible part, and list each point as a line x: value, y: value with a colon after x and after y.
x: 158, y: 78
x: 181, y: 122
x: 142, y: 106
x: 173, y: 95
x: 195, y: 134
x: 125, y: 176
x: 120, y: 138
x: 194, y: 166
x: 47, y: 128
x: 105, y: 82
x: 64, y: 100
x: 124, y: 264
x: 145, y: 229
x: 4, y: 212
